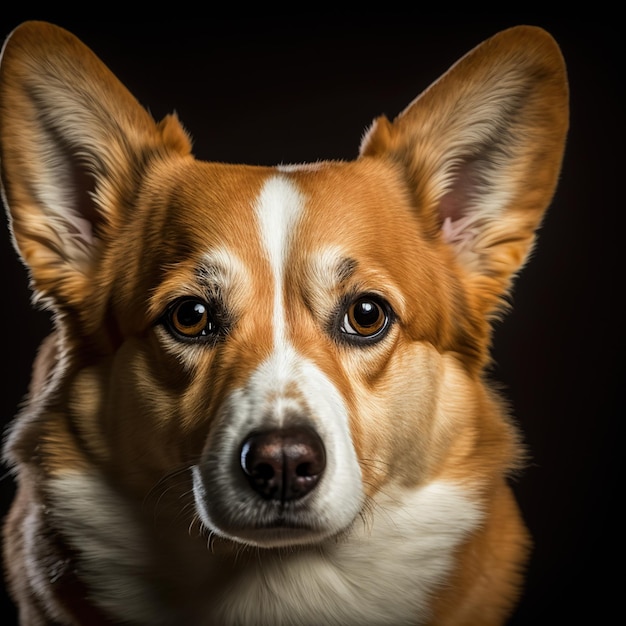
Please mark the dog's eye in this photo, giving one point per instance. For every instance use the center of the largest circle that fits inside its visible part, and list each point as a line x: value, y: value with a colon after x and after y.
x: 366, y: 317
x: 190, y: 318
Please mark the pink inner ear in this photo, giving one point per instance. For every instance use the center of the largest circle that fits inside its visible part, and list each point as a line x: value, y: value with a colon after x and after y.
x: 84, y: 229
x: 82, y: 217
x: 457, y: 232
x: 455, y: 205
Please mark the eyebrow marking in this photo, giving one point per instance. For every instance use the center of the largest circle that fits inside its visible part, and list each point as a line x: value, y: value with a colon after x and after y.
x: 221, y: 270
x: 330, y: 268
x: 345, y: 269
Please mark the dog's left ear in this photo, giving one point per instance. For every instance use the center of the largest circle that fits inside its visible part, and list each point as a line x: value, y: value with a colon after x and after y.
x: 482, y: 148
x: 74, y: 148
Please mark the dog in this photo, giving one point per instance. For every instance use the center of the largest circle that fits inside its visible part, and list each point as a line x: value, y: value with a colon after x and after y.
x: 266, y: 397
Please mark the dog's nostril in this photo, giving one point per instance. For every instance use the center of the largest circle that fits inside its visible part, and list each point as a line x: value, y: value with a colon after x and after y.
x: 264, y: 471
x: 283, y: 464
x: 305, y: 469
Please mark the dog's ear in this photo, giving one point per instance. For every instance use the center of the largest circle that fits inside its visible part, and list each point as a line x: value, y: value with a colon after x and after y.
x: 482, y: 148
x: 73, y: 144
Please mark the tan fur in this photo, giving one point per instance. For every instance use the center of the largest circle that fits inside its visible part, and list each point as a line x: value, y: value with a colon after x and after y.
x: 116, y: 221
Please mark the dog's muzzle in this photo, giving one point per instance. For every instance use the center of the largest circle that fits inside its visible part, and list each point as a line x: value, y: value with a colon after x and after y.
x: 279, y: 467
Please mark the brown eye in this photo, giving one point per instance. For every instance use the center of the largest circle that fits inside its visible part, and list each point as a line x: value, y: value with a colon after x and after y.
x: 366, y: 317
x: 190, y: 319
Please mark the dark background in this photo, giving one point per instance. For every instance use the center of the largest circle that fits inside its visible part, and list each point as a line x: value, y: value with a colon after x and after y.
x: 281, y: 88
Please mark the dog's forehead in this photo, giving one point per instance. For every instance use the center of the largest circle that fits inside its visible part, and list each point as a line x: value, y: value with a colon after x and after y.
x: 312, y: 232
x: 284, y: 216
x: 297, y: 210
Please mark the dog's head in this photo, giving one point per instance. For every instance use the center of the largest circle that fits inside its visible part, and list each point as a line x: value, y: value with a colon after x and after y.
x: 297, y: 337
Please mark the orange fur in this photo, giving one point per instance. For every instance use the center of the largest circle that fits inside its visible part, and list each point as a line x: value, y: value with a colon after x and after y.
x: 127, y: 454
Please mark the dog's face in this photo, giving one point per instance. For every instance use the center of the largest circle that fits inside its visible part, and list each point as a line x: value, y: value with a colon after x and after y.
x: 272, y: 348
x: 272, y: 340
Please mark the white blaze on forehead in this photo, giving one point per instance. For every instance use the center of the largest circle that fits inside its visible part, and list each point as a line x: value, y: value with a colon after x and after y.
x: 278, y: 208
x: 284, y: 389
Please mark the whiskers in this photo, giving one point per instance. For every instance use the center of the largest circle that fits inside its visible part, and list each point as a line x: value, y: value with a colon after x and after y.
x: 172, y: 499
x: 371, y: 508
x: 171, y: 502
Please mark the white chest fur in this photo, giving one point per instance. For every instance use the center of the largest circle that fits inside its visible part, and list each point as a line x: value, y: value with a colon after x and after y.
x: 382, y: 572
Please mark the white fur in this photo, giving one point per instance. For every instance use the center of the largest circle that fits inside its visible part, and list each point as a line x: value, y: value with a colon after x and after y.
x: 382, y: 573
x: 277, y: 209
x: 113, y: 552
x: 382, y: 570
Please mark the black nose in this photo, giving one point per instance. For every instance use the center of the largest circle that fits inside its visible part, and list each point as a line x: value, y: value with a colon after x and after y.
x: 283, y: 464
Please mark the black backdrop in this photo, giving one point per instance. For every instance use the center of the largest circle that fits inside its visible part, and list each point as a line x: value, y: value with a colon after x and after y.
x: 282, y: 88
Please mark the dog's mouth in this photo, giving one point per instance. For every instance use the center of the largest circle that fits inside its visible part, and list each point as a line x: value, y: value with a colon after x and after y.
x: 278, y: 532
x: 258, y: 522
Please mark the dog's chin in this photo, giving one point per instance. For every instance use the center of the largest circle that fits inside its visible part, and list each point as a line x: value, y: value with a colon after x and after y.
x: 284, y: 529
x: 278, y: 535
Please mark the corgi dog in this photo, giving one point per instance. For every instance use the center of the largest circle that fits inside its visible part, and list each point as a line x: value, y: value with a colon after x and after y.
x: 265, y: 400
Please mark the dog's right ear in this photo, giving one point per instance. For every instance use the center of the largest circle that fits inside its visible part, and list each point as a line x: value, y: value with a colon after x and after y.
x: 481, y: 150
x: 73, y: 145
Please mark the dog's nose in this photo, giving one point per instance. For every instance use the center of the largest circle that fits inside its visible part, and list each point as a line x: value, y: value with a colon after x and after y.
x: 283, y: 464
